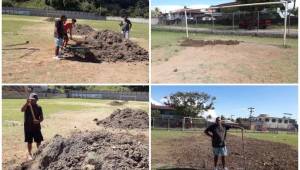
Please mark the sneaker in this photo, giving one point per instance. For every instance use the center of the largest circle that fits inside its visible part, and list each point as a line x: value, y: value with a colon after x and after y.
x: 225, y: 168
x: 57, y: 58
x: 215, y: 168
x: 29, y: 157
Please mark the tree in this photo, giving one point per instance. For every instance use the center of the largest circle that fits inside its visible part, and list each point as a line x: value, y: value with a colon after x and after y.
x: 190, y: 103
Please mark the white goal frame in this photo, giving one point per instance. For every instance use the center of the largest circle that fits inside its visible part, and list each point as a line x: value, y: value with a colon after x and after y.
x: 284, y: 3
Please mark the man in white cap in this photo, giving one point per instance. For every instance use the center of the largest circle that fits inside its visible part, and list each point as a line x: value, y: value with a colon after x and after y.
x: 33, y: 116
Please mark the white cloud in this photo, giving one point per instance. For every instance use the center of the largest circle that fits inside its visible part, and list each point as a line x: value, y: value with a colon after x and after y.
x: 212, y: 113
x: 155, y: 102
x: 168, y: 8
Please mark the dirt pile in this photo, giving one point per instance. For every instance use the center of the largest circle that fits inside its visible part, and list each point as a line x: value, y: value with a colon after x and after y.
x: 196, y: 152
x: 89, y: 151
x: 106, y: 46
x: 117, y: 103
x: 82, y: 29
x: 126, y: 118
x: 201, y: 43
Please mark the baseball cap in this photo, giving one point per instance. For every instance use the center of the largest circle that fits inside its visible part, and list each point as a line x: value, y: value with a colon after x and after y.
x: 33, y: 96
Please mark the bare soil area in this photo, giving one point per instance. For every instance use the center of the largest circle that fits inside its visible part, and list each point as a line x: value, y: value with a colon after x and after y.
x: 195, y: 152
x: 239, y: 63
x: 33, y: 62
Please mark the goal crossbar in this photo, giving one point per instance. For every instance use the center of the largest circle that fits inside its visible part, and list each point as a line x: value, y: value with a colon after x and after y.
x: 284, y: 3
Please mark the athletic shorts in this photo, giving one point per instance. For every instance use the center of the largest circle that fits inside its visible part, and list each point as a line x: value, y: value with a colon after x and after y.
x: 220, y: 151
x: 59, y: 42
x: 36, y: 136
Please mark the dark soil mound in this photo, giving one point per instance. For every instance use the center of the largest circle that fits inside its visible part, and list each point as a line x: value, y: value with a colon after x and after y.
x: 107, y: 46
x: 126, y: 118
x: 201, y: 43
x: 82, y: 29
x: 90, y: 150
x: 117, y: 103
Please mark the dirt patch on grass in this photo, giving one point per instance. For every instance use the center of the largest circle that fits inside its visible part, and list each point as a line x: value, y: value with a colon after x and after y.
x: 117, y: 103
x: 242, y: 63
x: 126, y: 118
x: 91, y: 150
x: 196, y: 152
x: 201, y: 43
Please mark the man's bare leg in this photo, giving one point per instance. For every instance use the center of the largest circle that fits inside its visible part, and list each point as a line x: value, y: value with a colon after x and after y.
x: 216, y: 160
x: 38, y: 144
x: 223, y: 161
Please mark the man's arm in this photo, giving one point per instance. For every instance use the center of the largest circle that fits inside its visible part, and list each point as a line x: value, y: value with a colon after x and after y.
x: 41, y: 117
x: 24, y: 107
x: 208, y: 132
x: 130, y: 25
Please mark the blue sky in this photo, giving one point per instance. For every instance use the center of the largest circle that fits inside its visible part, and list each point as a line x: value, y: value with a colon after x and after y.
x: 234, y: 100
x: 188, y: 2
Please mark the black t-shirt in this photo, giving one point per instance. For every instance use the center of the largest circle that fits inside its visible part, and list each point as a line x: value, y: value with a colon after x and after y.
x: 127, y: 25
x: 59, y: 29
x: 28, y: 119
x: 219, y: 134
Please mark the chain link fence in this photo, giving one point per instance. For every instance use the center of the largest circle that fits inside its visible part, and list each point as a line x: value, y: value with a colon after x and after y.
x: 183, y: 123
x: 259, y: 23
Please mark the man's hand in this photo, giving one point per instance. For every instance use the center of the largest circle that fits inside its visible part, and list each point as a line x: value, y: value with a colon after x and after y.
x: 36, y: 121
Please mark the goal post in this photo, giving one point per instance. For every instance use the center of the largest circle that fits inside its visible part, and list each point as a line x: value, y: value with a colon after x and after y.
x: 284, y: 3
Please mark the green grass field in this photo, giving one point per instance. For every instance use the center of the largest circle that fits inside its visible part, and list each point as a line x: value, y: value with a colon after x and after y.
x: 167, y: 39
x: 15, y: 25
x: 11, y: 107
x: 290, y: 139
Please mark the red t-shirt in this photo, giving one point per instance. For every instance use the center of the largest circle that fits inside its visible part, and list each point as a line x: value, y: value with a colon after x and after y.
x: 68, y: 27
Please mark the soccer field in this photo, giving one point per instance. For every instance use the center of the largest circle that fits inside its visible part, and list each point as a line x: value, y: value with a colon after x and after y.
x: 252, y: 60
x: 28, y: 39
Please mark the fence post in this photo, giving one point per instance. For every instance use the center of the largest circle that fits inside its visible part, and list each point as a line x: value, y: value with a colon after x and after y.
x: 168, y: 124
x: 183, y: 124
x: 257, y: 21
x: 233, y: 21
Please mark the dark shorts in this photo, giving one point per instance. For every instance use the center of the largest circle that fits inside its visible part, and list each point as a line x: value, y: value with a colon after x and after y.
x: 36, y: 136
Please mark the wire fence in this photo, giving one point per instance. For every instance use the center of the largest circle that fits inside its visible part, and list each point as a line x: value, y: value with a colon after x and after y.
x: 129, y: 96
x: 264, y: 23
x: 69, y: 14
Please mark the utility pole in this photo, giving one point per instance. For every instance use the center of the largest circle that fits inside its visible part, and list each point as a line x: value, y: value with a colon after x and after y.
x: 251, y: 110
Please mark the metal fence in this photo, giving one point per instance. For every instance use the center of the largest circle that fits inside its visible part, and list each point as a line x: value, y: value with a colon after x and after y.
x: 69, y: 14
x: 173, y: 123
x: 270, y: 23
x: 129, y: 96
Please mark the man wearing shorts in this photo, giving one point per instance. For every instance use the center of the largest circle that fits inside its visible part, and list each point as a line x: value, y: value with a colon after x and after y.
x: 33, y: 116
x: 126, y: 27
x: 68, y: 29
x: 59, y: 36
x: 217, y: 132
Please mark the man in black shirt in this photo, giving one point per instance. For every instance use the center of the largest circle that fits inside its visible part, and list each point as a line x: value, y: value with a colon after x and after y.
x: 217, y: 132
x: 126, y: 27
x: 33, y: 116
x: 59, y: 34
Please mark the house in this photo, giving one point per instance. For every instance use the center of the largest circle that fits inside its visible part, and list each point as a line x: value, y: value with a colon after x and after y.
x: 164, y: 111
x: 264, y: 122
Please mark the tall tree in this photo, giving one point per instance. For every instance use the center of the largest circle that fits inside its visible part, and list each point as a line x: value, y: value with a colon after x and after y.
x: 190, y: 103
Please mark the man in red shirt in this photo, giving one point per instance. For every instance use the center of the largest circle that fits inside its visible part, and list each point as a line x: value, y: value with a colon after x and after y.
x: 68, y: 29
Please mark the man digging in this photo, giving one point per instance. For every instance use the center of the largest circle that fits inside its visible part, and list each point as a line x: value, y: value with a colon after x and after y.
x: 68, y: 27
x: 33, y: 116
x: 59, y: 34
x: 217, y: 132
